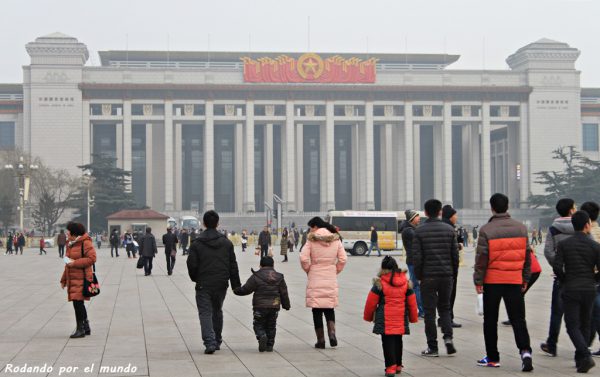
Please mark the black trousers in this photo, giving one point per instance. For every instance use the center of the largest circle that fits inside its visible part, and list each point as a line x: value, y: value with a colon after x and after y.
x: 556, y: 315
x: 392, y: 349
x: 184, y: 247
x: 265, y: 323
x: 435, y: 294
x: 170, y: 261
x: 578, y: 307
x: 61, y: 251
x: 264, y: 250
x: 115, y: 248
x: 147, y: 264
x: 80, y: 312
x: 515, y: 307
x: 318, y: 316
x: 210, y: 311
x: 453, y: 298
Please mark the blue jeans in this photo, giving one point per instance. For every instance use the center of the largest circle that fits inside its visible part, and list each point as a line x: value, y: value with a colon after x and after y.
x: 556, y: 315
x: 376, y: 245
x: 595, y: 318
x: 416, y: 288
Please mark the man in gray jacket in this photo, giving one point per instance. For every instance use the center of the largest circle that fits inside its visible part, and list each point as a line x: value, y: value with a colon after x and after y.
x: 561, y: 229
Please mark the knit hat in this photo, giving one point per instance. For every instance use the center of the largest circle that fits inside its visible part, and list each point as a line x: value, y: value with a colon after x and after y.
x: 448, y: 211
x: 410, y: 214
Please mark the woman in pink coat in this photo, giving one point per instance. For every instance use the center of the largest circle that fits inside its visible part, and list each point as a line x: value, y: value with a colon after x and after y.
x: 322, y: 258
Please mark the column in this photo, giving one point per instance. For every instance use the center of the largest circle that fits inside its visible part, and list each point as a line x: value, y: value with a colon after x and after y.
x: 388, y: 159
x: 269, y: 167
x: 486, y: 178
x: 119, y: 144
x: 290, y: 171
x: 299, y: 167
x: 86, y: 139
x: 437, y: 162
x: 329, y: 156
x: 447, y: 155
x: 149, y: 161
x: 417, y: 165
x: 409, y: 159
x: 249, y: 205
x: 178, y: 168
x: 369, y: 158
x: 475, y: 170
x: 524, y: 187
x: 209, y: 157
x: 357, y: 187
x: 169, y: 156
x: 127, y: 138
x: 511, y: 164
x: 239, y: 167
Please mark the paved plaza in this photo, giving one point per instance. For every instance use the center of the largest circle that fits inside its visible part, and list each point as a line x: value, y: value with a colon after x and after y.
x: 151, y: 325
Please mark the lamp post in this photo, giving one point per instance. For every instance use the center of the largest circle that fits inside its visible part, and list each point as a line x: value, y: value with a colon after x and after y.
x: 87, y: 180
x: 22, y: 171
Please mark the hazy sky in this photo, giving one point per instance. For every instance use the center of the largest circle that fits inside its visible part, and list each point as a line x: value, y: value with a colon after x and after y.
x: 431, y: 26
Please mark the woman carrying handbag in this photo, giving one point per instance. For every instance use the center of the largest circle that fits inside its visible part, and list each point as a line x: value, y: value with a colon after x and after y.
x: 79, y: 275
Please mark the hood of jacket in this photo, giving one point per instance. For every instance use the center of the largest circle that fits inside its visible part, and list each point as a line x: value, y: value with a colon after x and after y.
x: 385, y: 275
x: 564, y: 225
x: 324, y: 236
x: 211, y: 238
x: 268, y: 275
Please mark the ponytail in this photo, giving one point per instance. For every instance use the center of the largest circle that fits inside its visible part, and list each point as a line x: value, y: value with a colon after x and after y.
x: 389, y: 263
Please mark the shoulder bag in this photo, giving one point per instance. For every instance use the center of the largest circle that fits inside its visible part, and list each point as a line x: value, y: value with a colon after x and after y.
x: 90, y: 288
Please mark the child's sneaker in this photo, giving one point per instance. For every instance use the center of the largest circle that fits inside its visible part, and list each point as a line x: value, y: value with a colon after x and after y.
x: 399, y: 369
x: 390, y: 371
x: 262, y: 343
x: 526, y: 361
x: 486, y: 363
x: 430, y: 353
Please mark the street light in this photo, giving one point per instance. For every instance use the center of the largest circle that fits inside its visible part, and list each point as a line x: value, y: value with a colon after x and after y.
x: 22, y: 171
x: 87, y: 180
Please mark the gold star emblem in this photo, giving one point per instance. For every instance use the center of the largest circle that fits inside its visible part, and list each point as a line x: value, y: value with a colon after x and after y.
x: 310, y: 66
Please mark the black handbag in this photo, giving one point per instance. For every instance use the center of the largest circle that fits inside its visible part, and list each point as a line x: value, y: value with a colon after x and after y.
x: 90, y: 288
x: 140, y: 262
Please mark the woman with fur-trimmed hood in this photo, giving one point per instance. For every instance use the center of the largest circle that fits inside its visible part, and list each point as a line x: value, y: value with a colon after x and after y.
x: 391, y: 305
x: 322, y: 258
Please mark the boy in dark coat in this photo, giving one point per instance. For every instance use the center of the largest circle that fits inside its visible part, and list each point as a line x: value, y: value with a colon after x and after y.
x: 270, y: 292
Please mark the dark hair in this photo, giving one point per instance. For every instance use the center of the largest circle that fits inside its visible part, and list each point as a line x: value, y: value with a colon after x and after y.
x: 76, y: 229
x: 564, y: 206
x: 592, y: 209
x: 210, y: 219
x: 267, y: 262
x: 579, y: 220
x: 148, y: 230
x: 499, y: 203
x: 320, y: 223
x: 433, y: 208
x: 389, y: 263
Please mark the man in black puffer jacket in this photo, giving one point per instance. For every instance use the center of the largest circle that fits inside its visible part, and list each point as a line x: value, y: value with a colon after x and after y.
x: 212, y: 265
x: 575, y: 264
x: 408, y: 234
x: 435, y: 258
x: 270, y: 293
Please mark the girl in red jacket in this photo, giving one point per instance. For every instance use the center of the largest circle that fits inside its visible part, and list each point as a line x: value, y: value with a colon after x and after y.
x: 391, y: 304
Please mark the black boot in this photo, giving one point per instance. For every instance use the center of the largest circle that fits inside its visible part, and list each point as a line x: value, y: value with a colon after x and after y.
x: 320, y: 338
x: 79, y: 331
x: 86, y: 327
x: 331, y: 333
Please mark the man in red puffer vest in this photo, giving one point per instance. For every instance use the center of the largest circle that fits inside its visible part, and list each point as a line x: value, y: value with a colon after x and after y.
x: 502, y: 270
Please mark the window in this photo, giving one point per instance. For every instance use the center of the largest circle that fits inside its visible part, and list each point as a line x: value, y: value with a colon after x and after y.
x: 590, y: 137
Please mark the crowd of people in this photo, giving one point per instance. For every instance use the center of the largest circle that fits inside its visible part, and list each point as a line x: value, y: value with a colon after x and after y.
x: 505, y: 268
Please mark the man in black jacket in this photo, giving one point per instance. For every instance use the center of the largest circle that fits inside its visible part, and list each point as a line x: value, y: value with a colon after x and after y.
x: 408, y: 234
x: 270, y: 292
x: 148, y: 250
x: 450, y: 217
x: 435, y: 257
x: 170, y: 241
x: 575, y: 264
x: 212, y: 265
x: 264, y: 241
x: 184, y: 238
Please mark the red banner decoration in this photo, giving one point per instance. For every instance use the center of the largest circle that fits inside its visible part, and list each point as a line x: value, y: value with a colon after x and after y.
x: 309, y: 68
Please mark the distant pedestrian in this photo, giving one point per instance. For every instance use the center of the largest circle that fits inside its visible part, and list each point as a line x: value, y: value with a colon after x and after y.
x: 284, y: 244
x: 61, y: 241
x: 42, y: 245
x: 534, y: 238
x: 114, y: 243
x: 170, y: 241
x: 390, y: 305
x: 575, y: 266
x: 502, y: 271
x: 9, y: 244
x: 212, y: 265
x: 374, y: 242
x: 408, y: 234
x: 435, y: 257
x: 244, y: 241
x: 475, y: 234
x: 98, y: 240
x: 270, y: 293
x: 21, y: 242
x: 561, y: 229
x: 148, y: 250
x: 450, y: 217
x: 264, y: 241
x: 128, y: 242
x: 82, y: 257
x: 184, y: 240
x: 322, y: 258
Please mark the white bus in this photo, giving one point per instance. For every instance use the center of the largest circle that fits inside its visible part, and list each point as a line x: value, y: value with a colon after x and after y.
x: 189, y: 222
x: 355, y: 229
